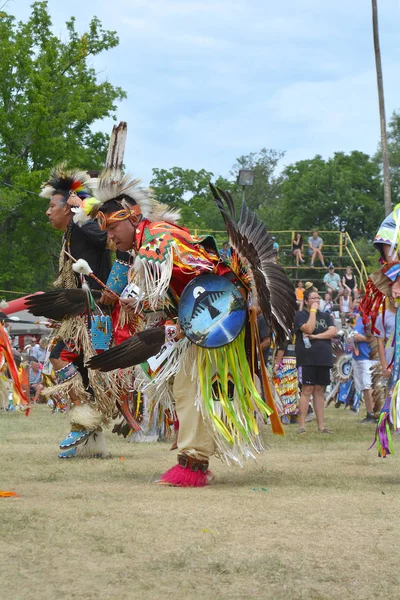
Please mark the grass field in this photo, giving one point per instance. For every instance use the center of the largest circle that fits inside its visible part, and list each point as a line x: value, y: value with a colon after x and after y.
x: 317, y: 517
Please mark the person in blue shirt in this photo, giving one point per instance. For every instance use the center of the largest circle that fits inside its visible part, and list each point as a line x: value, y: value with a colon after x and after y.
x: 225, y: 252
x: 362, y: 366
x: 35, y: 380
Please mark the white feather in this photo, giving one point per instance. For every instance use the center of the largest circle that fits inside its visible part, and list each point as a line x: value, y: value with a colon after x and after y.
x: 80, y: 217
x: 3, y: 304
x: 82, y: 266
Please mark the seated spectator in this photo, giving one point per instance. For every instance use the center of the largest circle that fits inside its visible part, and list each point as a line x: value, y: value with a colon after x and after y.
x: 346, y: 306
x: 349, y: 281
x: 299, y: 295
x: 315, y: 244
x: 35, y: 380
x: 297, y: 248
x: 39, y: 351
x: 326, y: 304
x: 225, y: 252
x: 333, y: 283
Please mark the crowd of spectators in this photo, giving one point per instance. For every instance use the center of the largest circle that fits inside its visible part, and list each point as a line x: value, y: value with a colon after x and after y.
x: 30, y: 362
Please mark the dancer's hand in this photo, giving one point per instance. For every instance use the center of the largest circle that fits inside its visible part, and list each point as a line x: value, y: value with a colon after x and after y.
x: 107, y: 299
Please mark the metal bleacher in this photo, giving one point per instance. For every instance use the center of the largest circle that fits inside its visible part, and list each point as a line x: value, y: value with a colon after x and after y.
x: 338, y: 249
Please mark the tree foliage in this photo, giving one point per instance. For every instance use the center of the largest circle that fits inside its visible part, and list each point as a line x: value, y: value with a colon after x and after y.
x: 344, y: 192
x: 50, y: 97
x: 189, y: 191
x: 394, y: 155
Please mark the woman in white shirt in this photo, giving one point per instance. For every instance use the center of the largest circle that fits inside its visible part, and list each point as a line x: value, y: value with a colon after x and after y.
x: 346, y: 306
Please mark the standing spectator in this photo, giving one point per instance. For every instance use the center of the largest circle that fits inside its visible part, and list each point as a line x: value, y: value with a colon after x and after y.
x: 35, y: 380
x: 349, y: 281
x: 297, y: 248
x: 314, y: 331
x: 346, y: 306
x: 315, y: 244
x: 326, y: 305
x: 299, y: 295
x: 333, y: 283
x: 225, y: 252
x: 362, y: 366
x: 39, y: 351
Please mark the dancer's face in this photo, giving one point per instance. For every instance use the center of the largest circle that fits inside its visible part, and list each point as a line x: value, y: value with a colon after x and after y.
x: 59, y: 213
x: 122, y: 233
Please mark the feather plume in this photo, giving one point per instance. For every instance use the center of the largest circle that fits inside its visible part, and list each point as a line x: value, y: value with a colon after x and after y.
x: 133, y: 351
x: 82, y: 266
x: 250, y: 238
x: 112, y: 184
x: 116, y: 146
x: 68, y: 181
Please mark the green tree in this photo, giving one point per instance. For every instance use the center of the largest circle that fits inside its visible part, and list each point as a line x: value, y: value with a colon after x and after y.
x: 50, y: 97
x: 344, y: 192
x: 189, y: 191
x: 394, y: 155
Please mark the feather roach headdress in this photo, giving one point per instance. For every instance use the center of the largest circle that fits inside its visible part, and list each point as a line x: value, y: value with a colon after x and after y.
x: 75, y: 186
x: 115, y: 187
x: 66, y: 182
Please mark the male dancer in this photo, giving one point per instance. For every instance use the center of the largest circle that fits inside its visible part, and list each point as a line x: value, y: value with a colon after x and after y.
x: 212, y: 417
x: 84, y: 240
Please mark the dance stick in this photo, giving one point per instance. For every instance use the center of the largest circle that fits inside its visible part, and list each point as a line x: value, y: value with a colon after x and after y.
x: 85, y: 269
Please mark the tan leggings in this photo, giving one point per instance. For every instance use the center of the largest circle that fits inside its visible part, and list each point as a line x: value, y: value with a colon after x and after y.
x: 193, y: 436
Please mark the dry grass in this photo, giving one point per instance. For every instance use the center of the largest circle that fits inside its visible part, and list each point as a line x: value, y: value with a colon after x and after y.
x: 316, y: 518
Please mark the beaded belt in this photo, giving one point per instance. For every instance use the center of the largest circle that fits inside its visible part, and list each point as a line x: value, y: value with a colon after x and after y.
x: 66, y: 373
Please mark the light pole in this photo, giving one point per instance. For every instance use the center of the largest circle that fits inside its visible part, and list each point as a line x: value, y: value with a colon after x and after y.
x: 245, y: 178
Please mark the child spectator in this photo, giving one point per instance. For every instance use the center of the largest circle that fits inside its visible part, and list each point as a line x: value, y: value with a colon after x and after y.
x: 326, y: 304
x: 299, y: 295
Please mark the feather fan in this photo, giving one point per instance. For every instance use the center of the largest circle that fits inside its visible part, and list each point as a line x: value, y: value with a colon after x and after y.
x: 251, y: 240
x: 58, y: 304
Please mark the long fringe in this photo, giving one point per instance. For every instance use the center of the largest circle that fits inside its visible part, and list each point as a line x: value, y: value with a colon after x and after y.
x: 233, y: 422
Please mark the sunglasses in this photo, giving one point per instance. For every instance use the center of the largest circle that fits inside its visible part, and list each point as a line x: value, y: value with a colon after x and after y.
x: 104, y: 220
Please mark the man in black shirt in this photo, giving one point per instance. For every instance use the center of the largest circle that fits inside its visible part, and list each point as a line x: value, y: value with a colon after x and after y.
x: 67, y: 192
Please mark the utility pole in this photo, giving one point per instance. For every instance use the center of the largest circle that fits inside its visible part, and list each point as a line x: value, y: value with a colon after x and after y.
x: 379, y: 78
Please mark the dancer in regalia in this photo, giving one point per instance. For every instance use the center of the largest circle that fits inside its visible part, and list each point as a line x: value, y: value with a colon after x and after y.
x: 383, y: 284
x: 91, y: 405
x: 209, y: 344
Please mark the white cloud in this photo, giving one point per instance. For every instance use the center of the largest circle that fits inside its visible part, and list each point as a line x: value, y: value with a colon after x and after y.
x: 209, y: 80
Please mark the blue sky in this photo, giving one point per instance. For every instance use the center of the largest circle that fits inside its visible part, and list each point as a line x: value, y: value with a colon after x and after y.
x: 210, y: 80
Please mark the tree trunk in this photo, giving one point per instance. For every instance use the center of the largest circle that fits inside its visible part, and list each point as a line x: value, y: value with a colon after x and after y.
x: 379, y: 77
